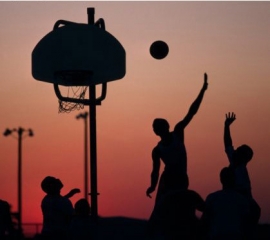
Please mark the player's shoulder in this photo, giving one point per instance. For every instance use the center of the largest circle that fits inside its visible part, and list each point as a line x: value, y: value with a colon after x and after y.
x: 179, y: 127
x: 4, y: 204
x: 214, y: 195
x: 194, y: 193
x: 229, y: 148
x: 156, y: 149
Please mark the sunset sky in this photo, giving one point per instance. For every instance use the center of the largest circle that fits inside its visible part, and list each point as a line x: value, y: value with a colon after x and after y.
x: 228, y: 40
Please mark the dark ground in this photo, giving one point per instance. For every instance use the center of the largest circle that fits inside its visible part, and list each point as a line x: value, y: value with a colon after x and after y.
x: 122, y: 228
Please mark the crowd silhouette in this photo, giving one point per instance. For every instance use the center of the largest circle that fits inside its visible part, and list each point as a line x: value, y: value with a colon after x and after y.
x: 227, y: 214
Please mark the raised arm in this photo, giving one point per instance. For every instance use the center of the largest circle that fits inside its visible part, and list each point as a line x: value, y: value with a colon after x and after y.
x: 230, y: 117
x: 72, y: 192
x: 154, y: 173
x: 194, y: 106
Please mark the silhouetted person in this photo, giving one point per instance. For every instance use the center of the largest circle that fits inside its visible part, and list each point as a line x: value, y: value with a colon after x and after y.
x: 239, y: 158
x: 174, y: 216
x: 82, y: 225
x: 227, y: 212
x: 57, y: 210
x: 171, y: 148
x: 6, y: 225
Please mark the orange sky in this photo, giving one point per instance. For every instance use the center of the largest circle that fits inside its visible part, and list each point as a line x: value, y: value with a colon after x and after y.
x: 228, y: 40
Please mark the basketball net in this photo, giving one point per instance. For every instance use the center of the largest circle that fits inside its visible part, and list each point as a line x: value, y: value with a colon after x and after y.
x: 72, y: 92
x: 77, y: 92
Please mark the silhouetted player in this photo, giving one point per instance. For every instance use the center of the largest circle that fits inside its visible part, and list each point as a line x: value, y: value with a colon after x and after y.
x: 171, y: 149
x: 57, y: 210
x: 82, y: 226
x: 239, y: 158
x: 227, y: 212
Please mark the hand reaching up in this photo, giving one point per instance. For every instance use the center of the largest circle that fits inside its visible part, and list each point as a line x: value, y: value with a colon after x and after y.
x: 205, y: 84
x: 230, y: 117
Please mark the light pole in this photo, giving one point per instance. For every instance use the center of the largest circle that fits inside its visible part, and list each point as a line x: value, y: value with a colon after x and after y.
x: 84, y: 117
x: 21, y: 133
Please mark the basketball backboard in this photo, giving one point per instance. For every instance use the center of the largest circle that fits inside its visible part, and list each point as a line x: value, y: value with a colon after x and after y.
x: 78, y: 48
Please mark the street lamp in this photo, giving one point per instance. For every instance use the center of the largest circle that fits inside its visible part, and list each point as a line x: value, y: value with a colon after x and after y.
x: 84, y: 117
x: 21, y: 133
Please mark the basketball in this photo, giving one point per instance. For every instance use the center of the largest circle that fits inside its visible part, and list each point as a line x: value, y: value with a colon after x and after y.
x: 159, y: 49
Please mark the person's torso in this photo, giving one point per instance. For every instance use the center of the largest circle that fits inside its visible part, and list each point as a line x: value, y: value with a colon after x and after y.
x: 173, y: 154
x: 56, y: 213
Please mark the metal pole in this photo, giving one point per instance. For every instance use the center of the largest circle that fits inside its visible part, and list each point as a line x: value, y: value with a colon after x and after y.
x: 20, y: 132
x: 85, y: 158
x: 84, y: 116
x: 93, y: 143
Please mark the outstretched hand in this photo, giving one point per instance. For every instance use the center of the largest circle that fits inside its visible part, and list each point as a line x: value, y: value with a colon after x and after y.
x: 230, y: 117
x: 73, y: 191
x: 205, y: 84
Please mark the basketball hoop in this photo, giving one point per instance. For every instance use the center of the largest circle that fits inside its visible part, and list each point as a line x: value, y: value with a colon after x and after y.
x: 74, y: 96
x: 76, y: 93
x: 78, y: 56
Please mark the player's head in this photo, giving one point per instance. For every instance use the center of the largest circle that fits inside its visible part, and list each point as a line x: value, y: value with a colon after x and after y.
x: 82, y: 207
x: 160, y: 126
x: 243, y: 154
x: 227, y: 177
x: 51, y: 185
